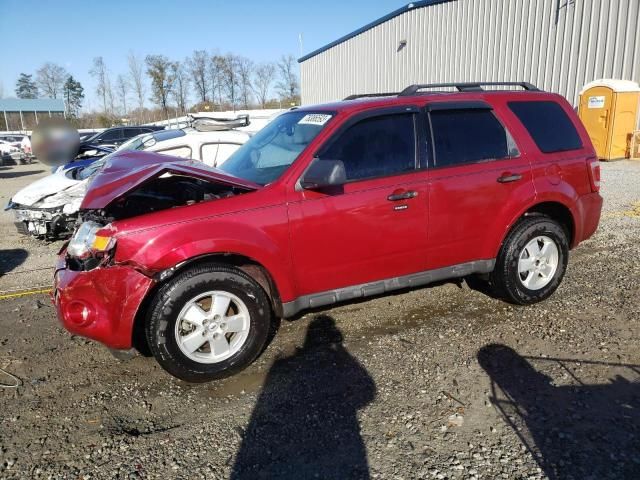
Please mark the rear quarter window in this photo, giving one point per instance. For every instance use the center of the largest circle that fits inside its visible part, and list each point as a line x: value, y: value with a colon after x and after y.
x: 548, y: 124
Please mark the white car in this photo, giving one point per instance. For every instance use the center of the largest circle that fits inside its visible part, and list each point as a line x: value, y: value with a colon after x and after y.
x: 49, y: 206
x: 212, y: 148
x: 10, y: 154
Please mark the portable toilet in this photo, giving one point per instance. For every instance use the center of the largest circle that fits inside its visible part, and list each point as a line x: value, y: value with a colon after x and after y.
x: 609, y: 111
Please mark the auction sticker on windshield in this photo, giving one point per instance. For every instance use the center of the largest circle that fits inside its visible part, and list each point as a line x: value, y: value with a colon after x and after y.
x: 314, y: 119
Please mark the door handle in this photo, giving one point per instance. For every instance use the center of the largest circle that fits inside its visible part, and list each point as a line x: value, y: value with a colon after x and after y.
x: 394, y: 197
x: 507, y: 177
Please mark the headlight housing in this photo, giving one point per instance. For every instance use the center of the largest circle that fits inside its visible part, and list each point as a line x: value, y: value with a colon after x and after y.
x: 87, y: 241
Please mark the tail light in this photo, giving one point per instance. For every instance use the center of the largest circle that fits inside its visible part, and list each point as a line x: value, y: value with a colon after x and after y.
x: 594, y: 174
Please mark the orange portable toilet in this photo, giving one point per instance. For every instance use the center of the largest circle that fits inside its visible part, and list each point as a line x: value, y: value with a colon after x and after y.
x: 609, y: 111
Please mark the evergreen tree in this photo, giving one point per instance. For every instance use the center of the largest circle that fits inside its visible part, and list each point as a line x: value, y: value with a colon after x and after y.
x: 73, y: 96
x: 26, y: 87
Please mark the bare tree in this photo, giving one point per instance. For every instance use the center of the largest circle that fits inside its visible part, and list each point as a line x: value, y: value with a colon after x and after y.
x: 136, y: 71
x: 180, y: 89
x: 245, y: 70
x: 216, y: 77
x: 197, y: 65
x: 160, y: 71
x: 122, y: 88
x: 50, y: 79
x: 103, y: 86
x: 231, y: 78
x: 288, y: 84
x: 263, y: 77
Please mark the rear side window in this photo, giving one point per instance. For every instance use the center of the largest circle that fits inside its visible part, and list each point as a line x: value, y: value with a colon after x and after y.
x: 114, y: 134
x: 548, y: 125
x: 183, y: 152
x: 468, y: 136
x: 376, y: 147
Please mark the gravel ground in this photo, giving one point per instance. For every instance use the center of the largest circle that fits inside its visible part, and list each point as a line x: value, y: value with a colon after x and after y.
x: 437, y: 383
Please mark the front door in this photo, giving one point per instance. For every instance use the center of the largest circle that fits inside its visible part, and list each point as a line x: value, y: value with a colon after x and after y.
x: 373, y: 227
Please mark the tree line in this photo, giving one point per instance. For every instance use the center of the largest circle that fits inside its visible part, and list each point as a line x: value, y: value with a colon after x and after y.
x: 52, y: 81
x: 203, y: 81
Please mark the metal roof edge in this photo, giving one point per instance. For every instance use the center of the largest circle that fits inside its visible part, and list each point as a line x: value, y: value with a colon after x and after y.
x: 375, y: 23
x: 32, y: 104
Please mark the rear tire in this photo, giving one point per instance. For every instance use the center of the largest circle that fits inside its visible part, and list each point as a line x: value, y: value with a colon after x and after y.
x: 532, y: 261
x: 209, y: 322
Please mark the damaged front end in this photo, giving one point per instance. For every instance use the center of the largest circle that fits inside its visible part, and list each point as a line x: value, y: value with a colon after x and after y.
x: 135, y: 184
x: 96, y: 293
x: 49, y: 207
x: 44, y: 222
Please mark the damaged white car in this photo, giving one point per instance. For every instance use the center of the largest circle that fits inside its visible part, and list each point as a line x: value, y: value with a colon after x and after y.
x: 48, y: 207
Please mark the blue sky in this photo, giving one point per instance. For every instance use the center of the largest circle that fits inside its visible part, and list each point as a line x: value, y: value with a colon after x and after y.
x: 72, y: 33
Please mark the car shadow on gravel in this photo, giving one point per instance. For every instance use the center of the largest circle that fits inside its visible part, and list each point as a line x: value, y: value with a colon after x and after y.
x: 4, y: 174
x: 304, y: 424
x: 577, y: 431
x: 12, y: 258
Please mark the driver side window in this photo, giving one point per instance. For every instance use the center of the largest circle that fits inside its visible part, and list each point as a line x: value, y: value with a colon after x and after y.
x: 376, y: 147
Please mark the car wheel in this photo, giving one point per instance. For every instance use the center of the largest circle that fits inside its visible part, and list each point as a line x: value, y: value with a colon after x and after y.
x: 532, y: 261
x: 209, y: 322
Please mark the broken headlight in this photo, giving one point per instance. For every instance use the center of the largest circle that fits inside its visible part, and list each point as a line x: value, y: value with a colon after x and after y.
x: 88, y: 241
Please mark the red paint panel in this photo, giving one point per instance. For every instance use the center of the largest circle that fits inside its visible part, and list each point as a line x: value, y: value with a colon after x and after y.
x: 357, y: 235
x: 100, y: 304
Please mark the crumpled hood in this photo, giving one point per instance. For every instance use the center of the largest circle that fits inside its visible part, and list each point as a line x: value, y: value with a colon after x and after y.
x: 128, y: 170
x: 42, y: 188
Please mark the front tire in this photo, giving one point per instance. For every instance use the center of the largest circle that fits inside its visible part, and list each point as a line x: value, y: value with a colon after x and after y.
x: 209, y: 322
x: 532, y: 261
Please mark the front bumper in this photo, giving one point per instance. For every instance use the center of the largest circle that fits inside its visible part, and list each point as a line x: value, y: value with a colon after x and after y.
x: 42, y: 222
x: 100, y: 304
x: 13, y: 158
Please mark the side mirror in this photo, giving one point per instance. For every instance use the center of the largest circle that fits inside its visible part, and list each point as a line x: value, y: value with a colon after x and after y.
x: 323, y: 173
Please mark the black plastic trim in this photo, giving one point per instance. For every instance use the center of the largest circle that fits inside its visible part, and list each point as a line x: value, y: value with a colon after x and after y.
x: 346, y: 294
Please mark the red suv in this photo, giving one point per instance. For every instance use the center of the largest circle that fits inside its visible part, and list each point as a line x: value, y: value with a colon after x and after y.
x: 327, y: 204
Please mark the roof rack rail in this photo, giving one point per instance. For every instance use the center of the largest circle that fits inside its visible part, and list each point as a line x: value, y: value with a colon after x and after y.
x: 465, y: 86
x: 212, y: 124
x: 370, y: 95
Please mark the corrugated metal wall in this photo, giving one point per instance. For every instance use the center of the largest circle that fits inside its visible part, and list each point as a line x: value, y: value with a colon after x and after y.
x: 558, y: 45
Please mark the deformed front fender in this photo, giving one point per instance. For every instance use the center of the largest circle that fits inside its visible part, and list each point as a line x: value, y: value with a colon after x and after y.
x: 260, y: 235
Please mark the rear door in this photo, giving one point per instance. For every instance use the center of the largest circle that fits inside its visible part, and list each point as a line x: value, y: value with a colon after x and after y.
x: 476, y: 174
x: 373, y: 227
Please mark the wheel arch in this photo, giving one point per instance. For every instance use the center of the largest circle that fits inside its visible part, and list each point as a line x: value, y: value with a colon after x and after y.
x: 560, y: 213
x: 554, y: 209
x: 248, y: 265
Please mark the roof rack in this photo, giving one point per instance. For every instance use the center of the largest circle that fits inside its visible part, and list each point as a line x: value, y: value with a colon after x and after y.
x: 461, y: 87
x: 212, y: 124
x: 465, y: 87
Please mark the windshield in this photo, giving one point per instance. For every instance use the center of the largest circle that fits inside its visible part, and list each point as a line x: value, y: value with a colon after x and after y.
x: 270, y: 151
x: 135, y: 143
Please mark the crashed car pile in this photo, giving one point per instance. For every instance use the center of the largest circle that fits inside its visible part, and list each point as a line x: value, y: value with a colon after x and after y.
x: 48, y: 208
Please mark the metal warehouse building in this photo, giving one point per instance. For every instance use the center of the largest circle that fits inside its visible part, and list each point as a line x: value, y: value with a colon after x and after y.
x: 558, y: 45
x: 22, y: 114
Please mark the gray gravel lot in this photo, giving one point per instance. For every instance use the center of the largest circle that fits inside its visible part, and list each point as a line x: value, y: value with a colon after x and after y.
x: 442, y: 382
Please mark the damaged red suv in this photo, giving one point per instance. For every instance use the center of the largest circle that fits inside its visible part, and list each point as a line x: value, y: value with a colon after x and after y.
x: 328, y: 204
